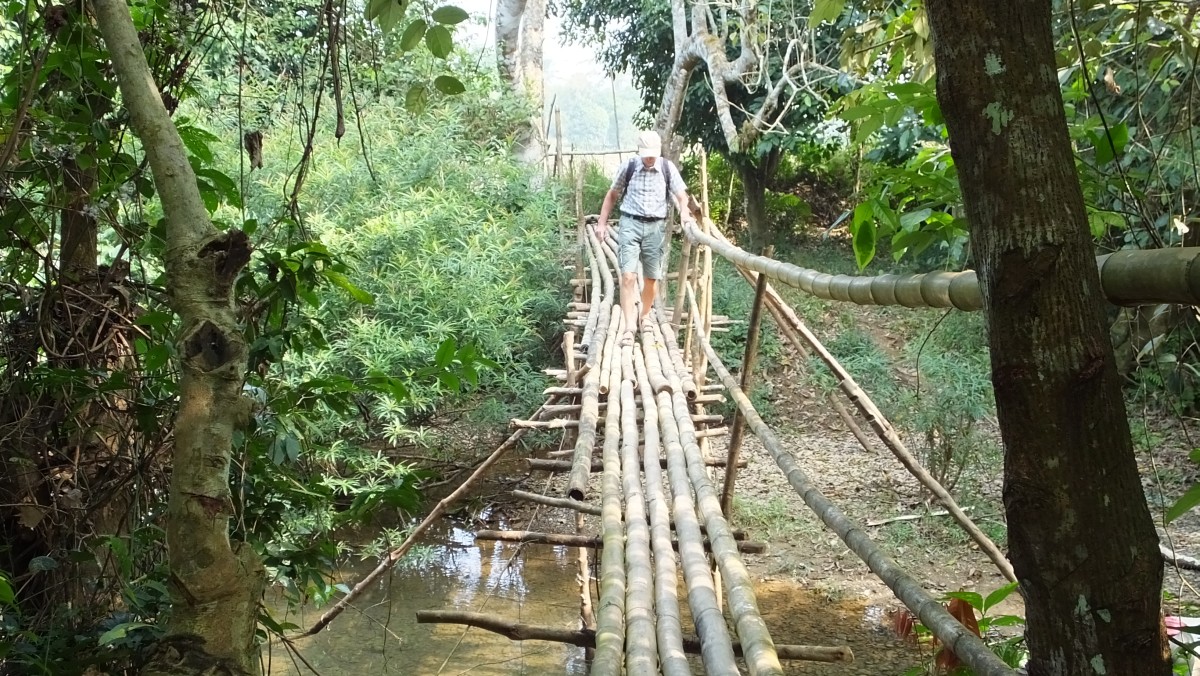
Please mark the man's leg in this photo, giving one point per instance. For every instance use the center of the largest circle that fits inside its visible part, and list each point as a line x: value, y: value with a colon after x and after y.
x: 653, y: 250
x: 628, y: 296
x: 649, y: 286
x: 629, y: 245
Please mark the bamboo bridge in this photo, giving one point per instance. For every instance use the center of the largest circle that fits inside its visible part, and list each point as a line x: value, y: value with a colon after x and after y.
x: 636, y: 457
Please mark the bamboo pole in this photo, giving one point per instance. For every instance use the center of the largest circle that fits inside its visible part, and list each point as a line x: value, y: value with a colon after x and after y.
x: 641, y: 644
x: 887, y: 434
x: 691, y: 388
x: 739, y: 422
x: 669, y: 625
x: 552, y: 465
x: 743, y: 606
x: 716, y: 651
x: 558, y: 154
x: 565, y: 503
x: 685, y: 269
x: 850, y: 422
x: 965, y: 644
x: 615, y: 323
x: 589, y: 414
x: 568, y: 346
x: 587, y: 615
x: 518, y: 631
x: 438, y: 510
x: 601, y: 283
x: 610, y: 620
x: 1132, y: 277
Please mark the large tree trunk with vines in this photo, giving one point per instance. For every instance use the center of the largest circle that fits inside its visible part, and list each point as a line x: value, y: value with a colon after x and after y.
x: 1081, y: 537
x: 216, y: 586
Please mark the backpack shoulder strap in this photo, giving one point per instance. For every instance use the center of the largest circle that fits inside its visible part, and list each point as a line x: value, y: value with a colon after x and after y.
x: 666, y: 167
x: 628, y: 172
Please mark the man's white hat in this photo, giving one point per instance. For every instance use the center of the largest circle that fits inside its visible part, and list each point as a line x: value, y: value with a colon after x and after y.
x: 649, y: 144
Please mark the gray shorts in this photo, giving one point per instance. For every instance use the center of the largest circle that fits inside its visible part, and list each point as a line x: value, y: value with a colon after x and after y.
x: 637, y: 240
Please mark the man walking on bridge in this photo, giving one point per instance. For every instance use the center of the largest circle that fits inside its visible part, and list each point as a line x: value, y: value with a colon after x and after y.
x: 645, y: 185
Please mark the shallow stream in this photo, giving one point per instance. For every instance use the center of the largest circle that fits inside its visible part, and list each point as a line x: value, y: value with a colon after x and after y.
x: 538, y: 586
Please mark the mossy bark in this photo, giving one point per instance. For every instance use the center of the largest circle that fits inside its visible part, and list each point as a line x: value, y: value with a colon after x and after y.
x: 215, y: 584
x: 1082, y: 541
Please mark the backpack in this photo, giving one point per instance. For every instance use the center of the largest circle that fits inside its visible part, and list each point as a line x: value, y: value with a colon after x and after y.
x: 666, y: 167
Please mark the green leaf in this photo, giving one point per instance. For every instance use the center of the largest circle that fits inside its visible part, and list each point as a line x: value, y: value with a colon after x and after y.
x: 445, y: 353
x: 1109, y: 149
x: 7, y: 595
x: 118, y: 632
x: 450, y: 15
x: 340, y: 280
x: 449, y: 85
x: 413, y: 34
x: 825, y: 10
x: 863, y: 228
x: 439, y: 41
x: 998, y: 595
x: 972, y: 598
x: 416, y: 98
x: 914, y: 218
x: 1185, y: 502
x: 386, y: 12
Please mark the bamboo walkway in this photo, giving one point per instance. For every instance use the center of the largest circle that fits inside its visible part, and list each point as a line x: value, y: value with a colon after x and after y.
x: 634, y: 415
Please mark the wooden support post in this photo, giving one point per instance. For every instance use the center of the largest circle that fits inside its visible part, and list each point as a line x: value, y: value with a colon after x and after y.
x: 558, y: 145
x: 568, y: 346
x: 739, y: 421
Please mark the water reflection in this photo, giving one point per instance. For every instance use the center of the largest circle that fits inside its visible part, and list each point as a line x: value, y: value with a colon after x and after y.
x: 381, y: 635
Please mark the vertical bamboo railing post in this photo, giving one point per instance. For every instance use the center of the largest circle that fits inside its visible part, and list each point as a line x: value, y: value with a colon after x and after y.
x: 558, y: 145
x: 739, y: 421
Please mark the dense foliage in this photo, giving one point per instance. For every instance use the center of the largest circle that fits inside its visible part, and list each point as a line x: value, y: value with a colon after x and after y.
x: 403, y: 267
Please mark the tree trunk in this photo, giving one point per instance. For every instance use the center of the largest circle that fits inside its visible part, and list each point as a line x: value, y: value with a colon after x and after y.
x: 1081, y: 537
x: 755, y: 178
x: 519, y: 39
x: 215, y: 585
x: 77, y: 252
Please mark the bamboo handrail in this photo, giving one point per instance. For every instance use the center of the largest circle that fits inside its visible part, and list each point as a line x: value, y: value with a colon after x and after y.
x: 669, y: 625
x: 1162, y: 276
x: 966, y: 645
x: 641, y: 643
x: 743, y: 606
